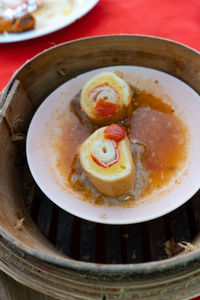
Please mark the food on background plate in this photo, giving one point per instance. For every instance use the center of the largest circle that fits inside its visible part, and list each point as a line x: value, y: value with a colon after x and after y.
x: 19, y: 16
x: 16, y: 15
x: 106, y: 98
x: 106, y: 157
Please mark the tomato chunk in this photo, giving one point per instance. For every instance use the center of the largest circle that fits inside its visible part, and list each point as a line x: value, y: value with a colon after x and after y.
x: 105, y: 108
x: 114, y: 132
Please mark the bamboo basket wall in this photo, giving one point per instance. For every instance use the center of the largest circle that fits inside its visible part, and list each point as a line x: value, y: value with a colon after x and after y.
x: 27, y: 253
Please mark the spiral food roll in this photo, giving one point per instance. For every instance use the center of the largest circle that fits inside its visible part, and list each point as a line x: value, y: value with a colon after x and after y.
x: 106, y: 158
x: 106, y: 98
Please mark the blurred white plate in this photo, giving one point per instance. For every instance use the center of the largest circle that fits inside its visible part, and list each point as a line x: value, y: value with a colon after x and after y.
x: 53, y: 16
x: 42, y: 158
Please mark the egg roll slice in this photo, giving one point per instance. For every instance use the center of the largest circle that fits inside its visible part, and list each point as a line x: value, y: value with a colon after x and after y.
x: 106, y: 98
x: 109, y: 164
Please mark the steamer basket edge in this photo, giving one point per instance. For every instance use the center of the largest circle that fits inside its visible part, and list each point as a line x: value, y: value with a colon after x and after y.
x: 181, y: 61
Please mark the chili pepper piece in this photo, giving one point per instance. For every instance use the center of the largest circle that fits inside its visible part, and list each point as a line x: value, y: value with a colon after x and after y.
x: 105, y: 109
x: 114, y: 132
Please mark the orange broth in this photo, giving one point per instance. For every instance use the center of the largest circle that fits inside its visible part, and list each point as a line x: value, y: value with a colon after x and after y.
x: 152, y: 124
x: 164, y: 136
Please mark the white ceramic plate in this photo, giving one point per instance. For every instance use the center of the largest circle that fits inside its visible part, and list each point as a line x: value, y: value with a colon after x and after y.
x: 53, y: 16
x: 44, y: 129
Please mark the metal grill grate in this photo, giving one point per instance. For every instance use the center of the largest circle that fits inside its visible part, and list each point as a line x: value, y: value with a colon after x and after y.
x: 92, y: 242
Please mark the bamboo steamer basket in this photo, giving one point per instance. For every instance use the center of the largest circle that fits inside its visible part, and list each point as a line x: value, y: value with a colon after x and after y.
x: 25, y: 253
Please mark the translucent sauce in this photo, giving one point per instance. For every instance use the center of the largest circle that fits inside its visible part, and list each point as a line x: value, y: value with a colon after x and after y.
x: 73, y: 133
x: 162, y: 134
x: 158, y: 140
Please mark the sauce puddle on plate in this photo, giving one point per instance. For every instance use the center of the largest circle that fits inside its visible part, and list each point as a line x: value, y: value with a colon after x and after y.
x: 158, y: 141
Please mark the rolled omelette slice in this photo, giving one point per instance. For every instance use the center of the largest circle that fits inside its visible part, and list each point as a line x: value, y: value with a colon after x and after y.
x: 106, y: 98
x: 108, y: 161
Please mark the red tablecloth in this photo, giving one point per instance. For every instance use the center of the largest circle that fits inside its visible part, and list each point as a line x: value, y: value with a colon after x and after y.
x: 178, y: 20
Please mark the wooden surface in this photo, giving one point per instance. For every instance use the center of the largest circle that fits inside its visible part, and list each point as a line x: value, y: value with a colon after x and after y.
x: 12, y: 290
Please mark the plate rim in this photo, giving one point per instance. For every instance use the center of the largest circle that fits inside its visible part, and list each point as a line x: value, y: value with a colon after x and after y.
x: 36, y: 33
x: 112, y: 221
